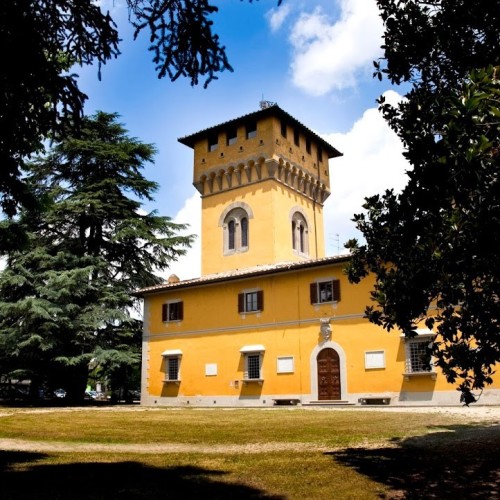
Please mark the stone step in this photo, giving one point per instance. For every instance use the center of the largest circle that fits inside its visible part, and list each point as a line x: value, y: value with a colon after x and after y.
x: 328, y: 402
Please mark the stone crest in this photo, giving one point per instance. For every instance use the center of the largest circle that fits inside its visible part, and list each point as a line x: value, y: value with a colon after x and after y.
x: 325, y: 329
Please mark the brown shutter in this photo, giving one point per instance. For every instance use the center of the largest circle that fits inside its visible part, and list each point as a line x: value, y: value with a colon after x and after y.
x: 336, y: 290
x: 164, y: 312
x: 314, y: 293
x: 241, y: 302
x: 260, y: 300
x: 181, y: 310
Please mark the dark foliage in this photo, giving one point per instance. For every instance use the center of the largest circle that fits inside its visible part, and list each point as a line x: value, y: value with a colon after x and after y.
x: 42, y: 40
x: 118, y: 479
x: 434, y: 248
x: 65, y: 304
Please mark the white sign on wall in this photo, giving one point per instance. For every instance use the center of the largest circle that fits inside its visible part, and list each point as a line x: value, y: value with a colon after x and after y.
x: 374, y: 359
x: 211, y: 369
x: 285, y: 364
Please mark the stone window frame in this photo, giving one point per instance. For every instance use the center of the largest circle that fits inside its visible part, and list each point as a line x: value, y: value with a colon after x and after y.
x: 413, y: 349
x: 172, y: 359
x: 236, y: 216
x: 300, y: 231
x: 253, y: 354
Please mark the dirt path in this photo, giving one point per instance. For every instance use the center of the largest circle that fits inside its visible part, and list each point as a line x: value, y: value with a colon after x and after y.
x: 49, y: 446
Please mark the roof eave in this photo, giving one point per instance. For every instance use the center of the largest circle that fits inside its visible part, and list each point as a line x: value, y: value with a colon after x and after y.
x: 252, y: 274
x: 190, y: 140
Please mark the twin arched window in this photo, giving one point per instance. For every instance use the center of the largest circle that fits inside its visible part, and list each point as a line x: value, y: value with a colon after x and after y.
x: 300, y: 234
x: 236, y: 231
x: 235, y: 223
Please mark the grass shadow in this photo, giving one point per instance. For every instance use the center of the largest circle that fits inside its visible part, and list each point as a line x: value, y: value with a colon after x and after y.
x: 117, y: 480
x: 460, y: 462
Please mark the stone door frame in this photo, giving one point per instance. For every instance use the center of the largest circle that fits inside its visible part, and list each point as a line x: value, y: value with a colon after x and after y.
x: 314, y: 368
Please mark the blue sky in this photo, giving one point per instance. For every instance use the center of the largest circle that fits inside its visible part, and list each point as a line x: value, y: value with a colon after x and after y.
x: 313, y: 58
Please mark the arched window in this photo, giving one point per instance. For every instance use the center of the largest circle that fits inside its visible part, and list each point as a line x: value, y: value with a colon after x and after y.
x: 300, y: 234
x: 244, y: 232
x: 236, y: 231
x: 302, y: 242
x: 231, y: 233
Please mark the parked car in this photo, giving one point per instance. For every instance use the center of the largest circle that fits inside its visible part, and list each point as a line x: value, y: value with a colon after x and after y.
x: 90, y: 395
x: 60, y: 393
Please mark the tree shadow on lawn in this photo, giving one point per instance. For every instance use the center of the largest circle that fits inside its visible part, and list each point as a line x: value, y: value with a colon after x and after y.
x: 460, y: 462
x: 118, y: 480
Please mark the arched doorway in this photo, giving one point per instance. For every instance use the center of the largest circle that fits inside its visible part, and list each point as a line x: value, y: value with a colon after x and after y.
x: 328, y: 364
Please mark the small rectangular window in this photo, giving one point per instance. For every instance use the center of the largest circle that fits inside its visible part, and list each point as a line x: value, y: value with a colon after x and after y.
x: 213, y: 142
x: 231, y: 136
x: 172, y: 311
x: 308, y: 145
x: 173, y: 368
x: 251, y: 130
x: 172, y: 363
x: 418, y: 356
x: 251, y: 301
x: 320, y: 155
x: 253, y: 366
x: 325, y: 291
x: 283, y: 128
x: 296, y: 137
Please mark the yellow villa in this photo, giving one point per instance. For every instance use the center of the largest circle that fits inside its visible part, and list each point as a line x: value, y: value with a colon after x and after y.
x: 272, y: 320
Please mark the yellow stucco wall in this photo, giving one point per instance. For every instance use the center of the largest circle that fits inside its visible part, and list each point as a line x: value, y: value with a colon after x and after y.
x: 268, y: 143
x: 270, y: 236
x: 213, y: 332
x: 270, y: 176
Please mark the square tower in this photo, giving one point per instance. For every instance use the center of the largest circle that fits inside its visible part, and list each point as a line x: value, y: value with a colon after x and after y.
x: 263, y: 179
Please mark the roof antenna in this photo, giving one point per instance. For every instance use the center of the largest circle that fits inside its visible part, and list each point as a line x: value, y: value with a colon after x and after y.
x: 266, y: 104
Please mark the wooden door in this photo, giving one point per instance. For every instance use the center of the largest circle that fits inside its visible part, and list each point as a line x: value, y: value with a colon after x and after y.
x: 328, y: 375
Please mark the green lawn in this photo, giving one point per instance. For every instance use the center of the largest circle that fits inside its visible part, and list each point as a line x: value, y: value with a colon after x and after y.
x: 353, y: 454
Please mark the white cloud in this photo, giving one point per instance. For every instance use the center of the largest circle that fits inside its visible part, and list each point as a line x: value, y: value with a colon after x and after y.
x: 189, y: 266
x: 372, y: 163
x: 276, y: 17
x: 330, y: 55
